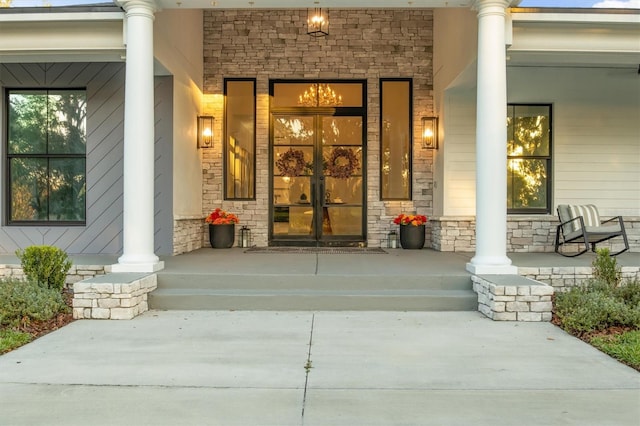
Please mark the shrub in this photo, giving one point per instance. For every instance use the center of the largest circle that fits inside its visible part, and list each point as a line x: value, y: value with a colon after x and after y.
x: 24, y: 301
x: 45, y: 265
x: 606, y: 269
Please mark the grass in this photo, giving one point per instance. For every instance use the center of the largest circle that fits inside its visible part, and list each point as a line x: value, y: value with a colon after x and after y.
x: 624, y: 347
x: 605, y: 312
x: 12, y: 339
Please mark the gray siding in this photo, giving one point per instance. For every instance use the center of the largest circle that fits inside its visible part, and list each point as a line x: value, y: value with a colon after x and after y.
x: 102, y: 233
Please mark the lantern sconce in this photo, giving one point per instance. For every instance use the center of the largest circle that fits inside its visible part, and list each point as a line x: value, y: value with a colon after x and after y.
x: 205, y: 131
x: 245, y: 237
x: 429, y: 132
x: 317, y: 22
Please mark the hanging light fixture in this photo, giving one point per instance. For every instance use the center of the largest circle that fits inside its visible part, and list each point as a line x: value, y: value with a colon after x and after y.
x: 319, y: 94
x: 317, y: 22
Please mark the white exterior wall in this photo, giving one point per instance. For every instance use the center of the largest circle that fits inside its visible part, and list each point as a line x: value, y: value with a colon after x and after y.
x: 596, y: 132
x: 454, y: 53
x: 596, y: 137
x: 178, y: 47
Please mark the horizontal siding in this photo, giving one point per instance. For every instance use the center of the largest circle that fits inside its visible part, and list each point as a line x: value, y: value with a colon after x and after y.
x: 596, y: 137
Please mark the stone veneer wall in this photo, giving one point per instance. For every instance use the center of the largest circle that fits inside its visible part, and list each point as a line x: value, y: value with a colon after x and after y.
x: 513, y: 298
x: 362, y: 44
x: 76, y: 272
x: 188, y: 234
x: 563, y: 277
x: 525, y: 234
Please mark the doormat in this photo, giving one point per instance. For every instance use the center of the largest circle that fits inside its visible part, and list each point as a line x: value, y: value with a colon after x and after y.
x: 317, y: 250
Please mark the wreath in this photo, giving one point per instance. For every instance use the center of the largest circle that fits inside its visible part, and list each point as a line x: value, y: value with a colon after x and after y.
x: 342, y: 163
x: 291, y: 163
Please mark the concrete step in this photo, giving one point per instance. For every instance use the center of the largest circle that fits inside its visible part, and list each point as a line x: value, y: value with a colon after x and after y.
x: 199, y: 291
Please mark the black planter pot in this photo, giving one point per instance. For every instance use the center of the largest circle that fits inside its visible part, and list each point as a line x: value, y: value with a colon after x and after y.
x: 222, y: 236
x: 412, y: 237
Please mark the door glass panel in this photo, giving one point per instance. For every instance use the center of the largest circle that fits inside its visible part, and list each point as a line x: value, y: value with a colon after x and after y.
x: 293, y: 131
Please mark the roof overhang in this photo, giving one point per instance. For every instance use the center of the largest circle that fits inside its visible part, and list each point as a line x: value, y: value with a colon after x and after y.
x: 597, y: 38
x: 62, y: 36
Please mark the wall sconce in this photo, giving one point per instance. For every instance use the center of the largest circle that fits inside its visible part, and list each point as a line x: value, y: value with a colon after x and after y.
x: 317, y: 22
x: 205, y: 131
x: 429, y: 132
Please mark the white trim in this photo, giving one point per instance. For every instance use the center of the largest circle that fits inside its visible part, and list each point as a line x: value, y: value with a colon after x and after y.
x: 49, y: 17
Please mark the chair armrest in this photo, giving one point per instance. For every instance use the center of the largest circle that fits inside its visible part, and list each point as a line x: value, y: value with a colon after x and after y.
x: 615, y: 218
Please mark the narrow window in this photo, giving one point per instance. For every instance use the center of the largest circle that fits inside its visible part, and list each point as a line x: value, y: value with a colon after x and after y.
x: 46, y: 156
x: 240, y: 139
x: 529, y: 158
x: 396, y: 137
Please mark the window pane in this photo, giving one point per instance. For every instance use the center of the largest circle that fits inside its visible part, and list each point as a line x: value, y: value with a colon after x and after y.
x: 317, y: 95
x: 527, y: 184
x: 528, y: 130
x: 240, y: 138
x: 29, y: 189
x: 27, y: 122
x: 396, y: 140
x: 67, y: 189
x: 67, y: 119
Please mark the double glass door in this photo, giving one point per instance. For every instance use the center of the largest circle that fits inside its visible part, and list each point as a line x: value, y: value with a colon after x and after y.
x: 317, y: 180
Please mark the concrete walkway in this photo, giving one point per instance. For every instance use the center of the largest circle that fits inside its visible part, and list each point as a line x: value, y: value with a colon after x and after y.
x: 306, y: 368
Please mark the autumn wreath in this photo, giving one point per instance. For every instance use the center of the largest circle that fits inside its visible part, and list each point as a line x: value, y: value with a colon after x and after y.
x: 291, y: 163
x: 342, y: 163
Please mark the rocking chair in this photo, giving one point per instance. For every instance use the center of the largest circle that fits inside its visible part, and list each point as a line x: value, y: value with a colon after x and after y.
x: 582, y: 225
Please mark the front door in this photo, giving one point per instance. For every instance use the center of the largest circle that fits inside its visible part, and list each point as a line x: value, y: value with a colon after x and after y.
x: 318, y: 182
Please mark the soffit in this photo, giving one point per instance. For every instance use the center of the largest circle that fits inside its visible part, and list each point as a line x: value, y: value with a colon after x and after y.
x: 301, y: 4
x: 552, y: 39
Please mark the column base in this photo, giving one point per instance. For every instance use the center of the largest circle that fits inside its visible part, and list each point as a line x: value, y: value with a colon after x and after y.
x: 491, y: 266
x: 124, y: 266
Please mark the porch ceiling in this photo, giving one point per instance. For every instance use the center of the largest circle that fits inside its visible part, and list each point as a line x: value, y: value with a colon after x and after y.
x: 297, y: 4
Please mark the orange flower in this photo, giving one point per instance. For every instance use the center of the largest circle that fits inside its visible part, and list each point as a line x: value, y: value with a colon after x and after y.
x: 411, y: 219
x: 220, y: 217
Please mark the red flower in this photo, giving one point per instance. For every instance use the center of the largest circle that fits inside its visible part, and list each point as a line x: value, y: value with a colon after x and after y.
x: 220, y: 217
x: 410, y: 219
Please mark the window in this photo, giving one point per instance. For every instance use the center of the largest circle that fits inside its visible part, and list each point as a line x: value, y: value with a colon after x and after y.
x: 240, y: 139
x: 528, y: 158
x: 46, y: 156
x: 396, y: 137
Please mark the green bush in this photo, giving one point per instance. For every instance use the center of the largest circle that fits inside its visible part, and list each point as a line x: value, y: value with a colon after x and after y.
x: 606, y: 269
x: 24, y: 301
x: 586, y: 309
x: 45, y: 265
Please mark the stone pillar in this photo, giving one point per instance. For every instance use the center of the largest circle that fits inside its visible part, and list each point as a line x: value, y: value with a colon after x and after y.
x: 491, y: 142
x: 138, y: 216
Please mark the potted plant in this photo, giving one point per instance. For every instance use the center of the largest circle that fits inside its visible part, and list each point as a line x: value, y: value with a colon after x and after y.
x: 222, y: 228
x: 412, y: 230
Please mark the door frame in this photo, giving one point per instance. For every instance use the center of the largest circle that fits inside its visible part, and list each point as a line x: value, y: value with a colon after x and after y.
x: 318, y: 111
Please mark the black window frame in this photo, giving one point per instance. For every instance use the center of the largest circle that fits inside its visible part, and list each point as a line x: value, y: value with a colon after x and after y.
x: 547, y: 158
x: 225, y: 162
x: 381, y: 130
x: 9, y: 156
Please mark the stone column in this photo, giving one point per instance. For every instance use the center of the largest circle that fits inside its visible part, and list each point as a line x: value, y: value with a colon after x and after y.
x: 138, y: 218
x: 491, y: 142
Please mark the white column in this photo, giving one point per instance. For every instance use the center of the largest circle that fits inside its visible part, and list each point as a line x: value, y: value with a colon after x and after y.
x: 491, y: 142
x: 138, y: 216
